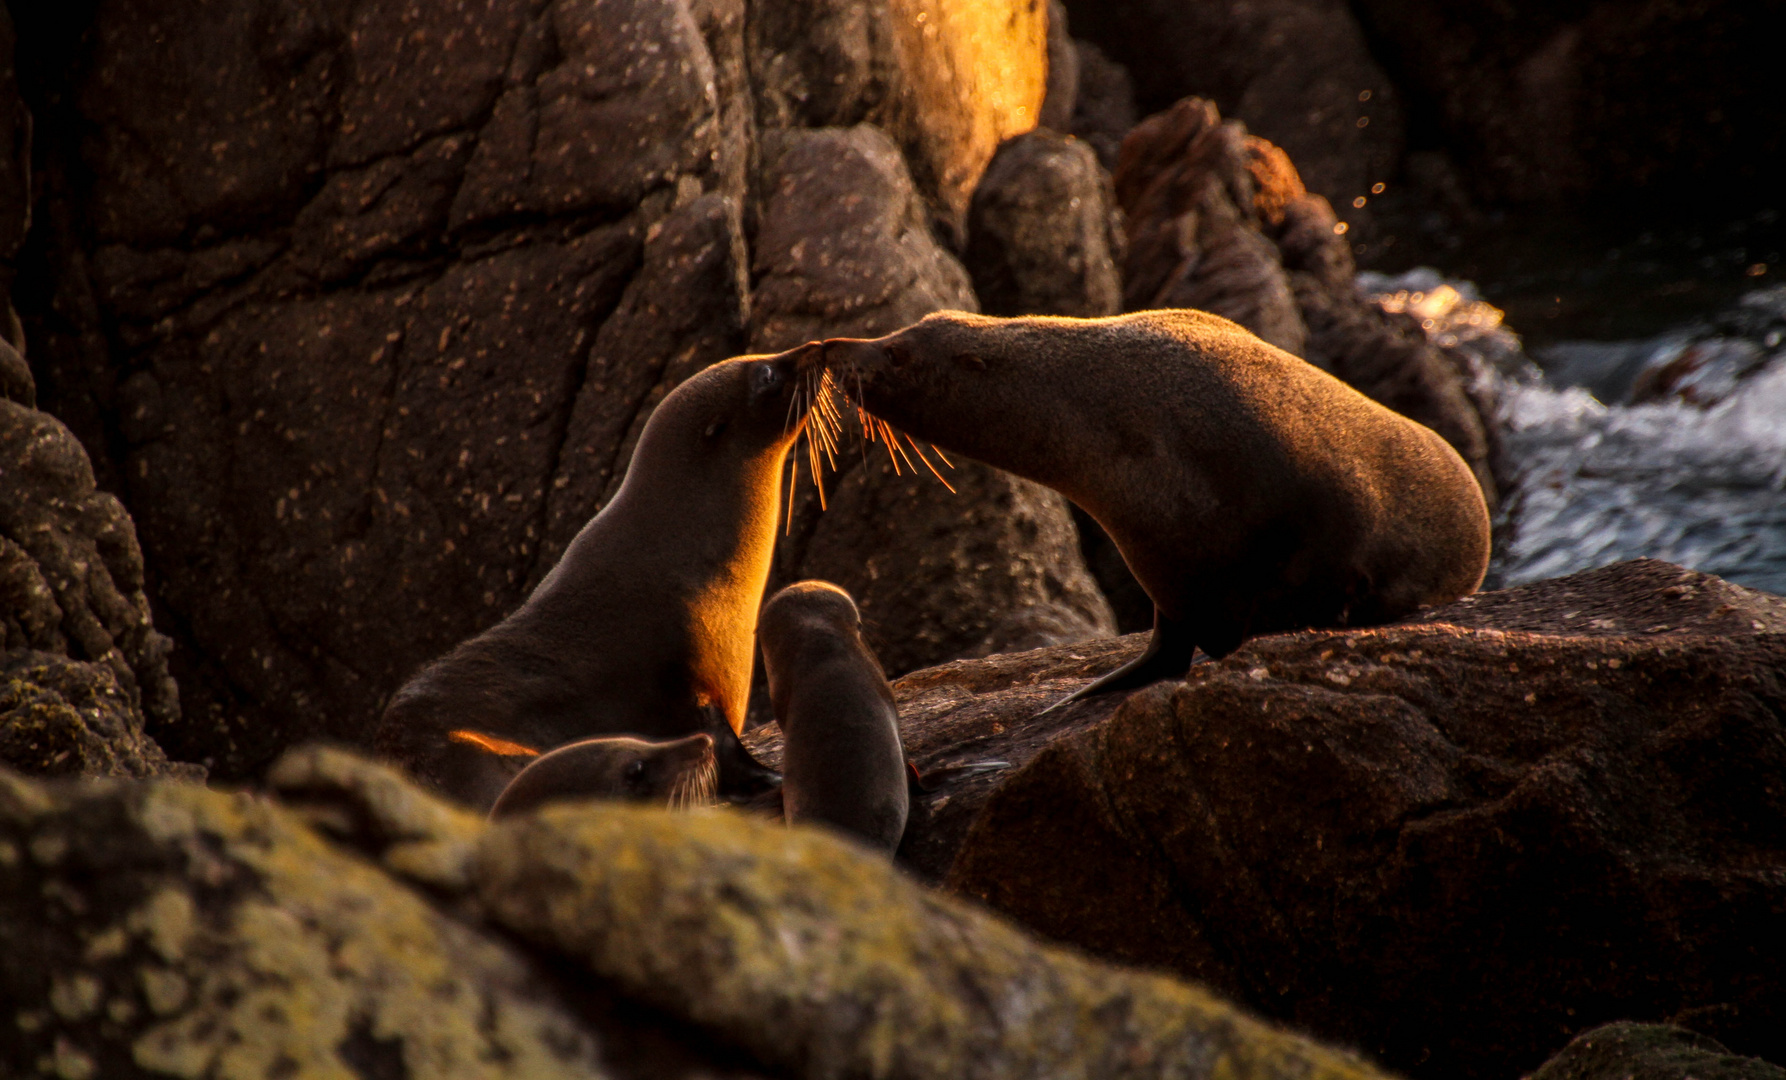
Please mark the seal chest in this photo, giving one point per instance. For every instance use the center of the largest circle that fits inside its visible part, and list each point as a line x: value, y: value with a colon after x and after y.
x: 645, y: 626
x: 842, y: 762
x: 1247, y: 490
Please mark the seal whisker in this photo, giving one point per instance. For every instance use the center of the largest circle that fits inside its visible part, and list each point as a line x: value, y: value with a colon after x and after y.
x: 940, y: 454
x: 928, y: 465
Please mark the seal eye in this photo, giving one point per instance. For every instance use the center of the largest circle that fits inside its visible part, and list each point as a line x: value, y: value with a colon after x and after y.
x: 713, y: 429
x: 970, y: 361
x: 766, y: 378
x: 634, y: 771
x: 897, y: 355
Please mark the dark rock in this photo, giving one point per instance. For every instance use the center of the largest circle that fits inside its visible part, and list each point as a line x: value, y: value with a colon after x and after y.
x: 1627, y: 1051
x: 71, y: 573
x: 1104, y: 110
x: 1548, y: 103
x: 844, y: 249
x: 1220, y: 220
x: 1194, y: 238
x: 1297, y: 72
x: 1043, y: 231
x: 15, y: 193
x: 62, y: 717
x: 1451, y: 845
x: 16, y: 382
x: 1061, y: 99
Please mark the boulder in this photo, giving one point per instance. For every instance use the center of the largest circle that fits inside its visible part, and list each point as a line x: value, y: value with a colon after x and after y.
x: 158, y: 929
x: 1220, y: 220
x: 948, y: 82
x: 356, y: 926
x: 1627, y: 1051
x: 1297, y: 72
x: 1043, y: 231
x: 84, y: 666
x: 843, y: 249
x: 1453, y: 842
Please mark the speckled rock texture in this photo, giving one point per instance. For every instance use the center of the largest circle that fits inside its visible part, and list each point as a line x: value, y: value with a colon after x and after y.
x: 842, y: 250
x: 81, y: 664
x: 360, y: 306
x: 160, y: 929
x: 1627, y: 1051
x: 1453, y: 843
x: 1220, y: 220
x: 1044, y: 234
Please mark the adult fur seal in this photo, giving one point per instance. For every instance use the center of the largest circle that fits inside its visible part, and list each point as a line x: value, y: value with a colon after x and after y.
x: 677, y: 773
x: 1248, y: 490
x: 842, y: 764
x: 646, y: 625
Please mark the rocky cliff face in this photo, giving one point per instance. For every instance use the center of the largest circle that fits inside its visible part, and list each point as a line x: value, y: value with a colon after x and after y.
x: 360, y: 307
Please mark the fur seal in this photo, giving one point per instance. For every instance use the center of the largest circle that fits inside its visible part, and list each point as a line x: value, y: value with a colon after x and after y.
x: 678, y: 773
x: 842, y: 764
x: 646, y: 625
x: 1248, y: 490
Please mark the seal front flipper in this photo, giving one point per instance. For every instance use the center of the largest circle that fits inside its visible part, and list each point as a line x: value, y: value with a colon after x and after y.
x: 742, y: 778
x: 1168, y: 656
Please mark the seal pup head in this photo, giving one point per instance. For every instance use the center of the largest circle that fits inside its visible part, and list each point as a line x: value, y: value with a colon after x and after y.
x: 806, y: 624
x: 678, y: 773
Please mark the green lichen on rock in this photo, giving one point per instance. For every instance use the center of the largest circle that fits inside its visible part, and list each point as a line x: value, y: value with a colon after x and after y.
x: 373, y: 808
x: 62, y: 717
x: 166, y: 929
x: 1629, y: 1051
x: 827, y: 962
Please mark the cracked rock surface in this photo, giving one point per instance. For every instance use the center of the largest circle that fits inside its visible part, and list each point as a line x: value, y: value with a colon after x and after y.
x: 360, y: 306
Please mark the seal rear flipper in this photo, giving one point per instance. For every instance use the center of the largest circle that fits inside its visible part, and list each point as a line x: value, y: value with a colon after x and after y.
x: 1168, y: 656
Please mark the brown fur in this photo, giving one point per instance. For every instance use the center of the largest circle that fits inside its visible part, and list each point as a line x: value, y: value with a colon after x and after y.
x: 680, y: 773
x: 645, y: 627
x: 842, y: 763
x: 1248, y: 490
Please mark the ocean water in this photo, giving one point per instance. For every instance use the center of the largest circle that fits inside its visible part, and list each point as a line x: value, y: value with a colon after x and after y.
x: 1672, y: 447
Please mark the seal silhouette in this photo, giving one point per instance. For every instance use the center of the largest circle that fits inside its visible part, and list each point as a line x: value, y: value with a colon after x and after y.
x: 842, y: 763
x: 1248, y: 490
x: 646, y: 625
x: 678, y: 773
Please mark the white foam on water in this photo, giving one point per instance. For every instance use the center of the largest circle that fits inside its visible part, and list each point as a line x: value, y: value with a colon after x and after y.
x: 1591, y: 483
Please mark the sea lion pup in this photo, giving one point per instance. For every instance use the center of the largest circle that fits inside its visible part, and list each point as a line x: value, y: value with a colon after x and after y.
x: 1248, y: 490
x: 646, y: 625
x: 679, y: 773
x: 842, y: 764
